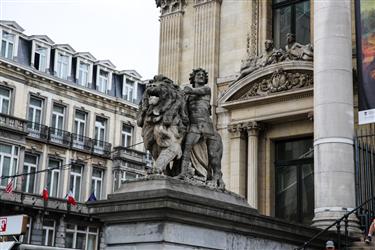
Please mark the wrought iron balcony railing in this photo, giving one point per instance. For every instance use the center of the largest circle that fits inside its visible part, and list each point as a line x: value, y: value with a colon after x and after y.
x: 38, y: 131
x: 67, y: 139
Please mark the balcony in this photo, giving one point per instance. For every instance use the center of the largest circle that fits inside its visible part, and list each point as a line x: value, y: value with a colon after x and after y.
x: 13, y: 124
x: 130, y: 155
x: 69, y: 140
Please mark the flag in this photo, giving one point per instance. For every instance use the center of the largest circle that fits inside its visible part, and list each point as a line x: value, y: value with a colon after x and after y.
x: 45, y: 194
x: 92, y: 197
x: 70, y: 199
x: 9, y: 187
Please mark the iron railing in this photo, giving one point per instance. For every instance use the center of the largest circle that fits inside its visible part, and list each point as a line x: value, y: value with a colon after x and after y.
x: 37, y: 130
x: 69, y: 140
x: 341, y: 243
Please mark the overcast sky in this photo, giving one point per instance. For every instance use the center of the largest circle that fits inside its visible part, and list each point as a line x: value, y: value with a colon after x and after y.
x: 126, y: 32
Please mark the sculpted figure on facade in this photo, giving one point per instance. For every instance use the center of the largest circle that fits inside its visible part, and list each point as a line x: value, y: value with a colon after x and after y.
x: 297, y: 51
x: 293, y: 51
x: 178, y: 130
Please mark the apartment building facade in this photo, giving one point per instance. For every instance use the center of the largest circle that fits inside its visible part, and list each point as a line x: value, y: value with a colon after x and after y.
x: 67, y: 124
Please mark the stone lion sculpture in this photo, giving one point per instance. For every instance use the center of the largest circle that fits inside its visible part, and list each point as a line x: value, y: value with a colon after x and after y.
x: 166, y: 118
x: 163, y: 120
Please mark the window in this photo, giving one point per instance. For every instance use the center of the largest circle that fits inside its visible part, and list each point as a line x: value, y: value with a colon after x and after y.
x: 128, y: 90
x: 53, y: 177
x: 83, y: 74
x: 295, y: 180
x: 291, y: 16
x: 103, y: 81
x: 148, y: 159
x: 48, y: 236
x: 62, y: 66
x: 5, y: 100
x: 126, y: 135
x: 79, y: 128
x: 7, y: 45
x: 96, y: 182
x: 100, y: 133
x: 35, y: 113
x: 30, y: 166
x: 8, y: 162
x: 81, y: 237
x: 121, y: 175
x: 57, y: 123
x: 75, y: 181
x: 40, y: 58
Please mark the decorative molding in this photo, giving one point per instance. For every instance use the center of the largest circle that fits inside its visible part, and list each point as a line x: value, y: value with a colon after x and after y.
x: 170, y: 6
x: 279, y: 81
x: 252, y: 36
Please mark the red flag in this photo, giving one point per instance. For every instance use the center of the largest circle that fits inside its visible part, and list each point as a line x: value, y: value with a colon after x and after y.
x: 71, y: 199
x: 45, y: 194
x: 9, y: 187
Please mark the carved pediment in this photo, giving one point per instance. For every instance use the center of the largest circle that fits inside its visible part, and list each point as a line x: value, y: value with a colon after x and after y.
x: 275, y: 79
x: 279, y: 81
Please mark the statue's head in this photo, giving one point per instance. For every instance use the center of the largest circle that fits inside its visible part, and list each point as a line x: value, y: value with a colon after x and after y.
x: 268, y: 45
x: 198, y: 76
x: 290, y: 38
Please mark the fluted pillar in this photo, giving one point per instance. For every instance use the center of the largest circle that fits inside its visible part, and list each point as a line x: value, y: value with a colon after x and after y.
x: 252, y: 163
x: 237, y: 159
x: 333, y: 112
x: 171, y: 38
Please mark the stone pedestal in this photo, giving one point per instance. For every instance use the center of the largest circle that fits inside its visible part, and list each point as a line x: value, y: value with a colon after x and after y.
x: 164, y: 213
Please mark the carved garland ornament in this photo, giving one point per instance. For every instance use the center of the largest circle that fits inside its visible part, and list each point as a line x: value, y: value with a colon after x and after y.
x: 279, y: 81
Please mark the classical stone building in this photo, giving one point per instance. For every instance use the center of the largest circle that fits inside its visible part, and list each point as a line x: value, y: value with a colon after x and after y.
x: 265, y: 111
x: 73, y: 114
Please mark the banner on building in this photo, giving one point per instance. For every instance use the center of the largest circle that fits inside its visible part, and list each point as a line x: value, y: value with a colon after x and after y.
x: 365, y: 30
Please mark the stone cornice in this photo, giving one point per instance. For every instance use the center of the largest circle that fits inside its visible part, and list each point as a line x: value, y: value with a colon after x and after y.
x: 203, y: 2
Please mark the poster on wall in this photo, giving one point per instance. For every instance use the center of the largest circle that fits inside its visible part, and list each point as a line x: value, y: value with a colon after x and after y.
x: 365, y: 36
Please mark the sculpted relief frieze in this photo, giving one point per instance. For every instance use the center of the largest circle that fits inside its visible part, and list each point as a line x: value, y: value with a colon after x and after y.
x: 279, y: 81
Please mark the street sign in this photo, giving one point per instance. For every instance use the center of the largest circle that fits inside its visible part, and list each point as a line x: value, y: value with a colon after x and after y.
x: 13, y: 225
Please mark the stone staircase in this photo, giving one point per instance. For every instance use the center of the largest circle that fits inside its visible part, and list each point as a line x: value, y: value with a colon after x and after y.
x: 361, y: 245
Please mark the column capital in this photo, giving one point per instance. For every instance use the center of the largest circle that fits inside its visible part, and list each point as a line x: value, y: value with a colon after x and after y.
x: 254, y: 127
x: 236, y: 130
x: 170, y: 6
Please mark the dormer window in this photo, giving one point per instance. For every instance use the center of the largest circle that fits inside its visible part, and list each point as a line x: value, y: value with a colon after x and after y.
x: 40, y: 58
x: 102, y: 85
x: 7, y: 45
x: 128, y: 90
x: 62, y: 66
x: 83, y: 74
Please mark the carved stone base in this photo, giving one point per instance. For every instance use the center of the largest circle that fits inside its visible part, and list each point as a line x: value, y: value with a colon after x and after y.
x: 160, y: 212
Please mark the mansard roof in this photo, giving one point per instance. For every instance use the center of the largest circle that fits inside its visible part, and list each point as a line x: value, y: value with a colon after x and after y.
x: 131, y: 72
x: 12, y: 25
x: 65, y: 47
x: 106, y: 63
x: 86, y: 55
x: 42, y: 38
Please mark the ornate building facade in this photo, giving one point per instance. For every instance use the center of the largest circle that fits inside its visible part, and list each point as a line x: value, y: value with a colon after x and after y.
x: 260, y: 59
x: 68, y: 122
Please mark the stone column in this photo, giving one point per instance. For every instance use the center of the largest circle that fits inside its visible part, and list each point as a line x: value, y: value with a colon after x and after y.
x: 60, y: 232
x: 170, y: 38
x: 333, y: 112
x: 252, y: 163
x: 237, y: 160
